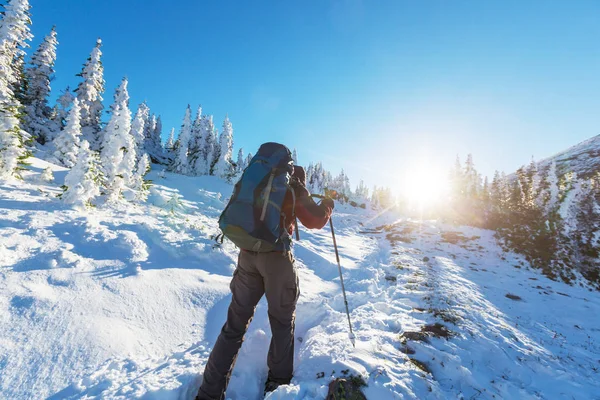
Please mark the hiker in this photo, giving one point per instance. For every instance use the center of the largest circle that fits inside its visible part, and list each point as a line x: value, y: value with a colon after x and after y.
x: 265, y: 266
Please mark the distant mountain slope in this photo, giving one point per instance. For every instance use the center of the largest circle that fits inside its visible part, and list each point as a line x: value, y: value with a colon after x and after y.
x: 583, y: 158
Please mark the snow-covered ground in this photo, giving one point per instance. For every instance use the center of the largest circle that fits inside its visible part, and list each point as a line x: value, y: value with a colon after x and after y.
x: 126, y: 302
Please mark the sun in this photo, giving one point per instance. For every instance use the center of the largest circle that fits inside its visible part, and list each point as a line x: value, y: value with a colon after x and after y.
x: 424, y: 185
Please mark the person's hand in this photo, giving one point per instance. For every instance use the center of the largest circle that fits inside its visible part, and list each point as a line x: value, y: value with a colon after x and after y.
x: 327, y: 202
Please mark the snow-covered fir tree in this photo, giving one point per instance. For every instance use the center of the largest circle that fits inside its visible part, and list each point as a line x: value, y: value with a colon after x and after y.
x: 38, y: 77
x: 67, y: 141
x: 170, y: 144
x: 61, y: 110
x: 241, y: 162
x: 211, y: 146
x: 116, y: 155
x: 82, y: 183
x: 196, y: 146
x: 295, y: 157
x: 157, y: 147
x: 139, y: 184
x: 223, y: 166
x: 14, y: 35
x: 89, y: 92
x: 138, y: 128
x: 362, y: 191
x: 248, y: 159
x: 153, y: 143
x: 180, y: 163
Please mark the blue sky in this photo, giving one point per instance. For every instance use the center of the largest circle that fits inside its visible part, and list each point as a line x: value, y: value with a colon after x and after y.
x: 377, y: 88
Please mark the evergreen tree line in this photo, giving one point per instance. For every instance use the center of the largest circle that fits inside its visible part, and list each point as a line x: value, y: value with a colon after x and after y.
x: 319, y: 180
x: 112, y: 158
x: 105, y: 159
x: 201, y: 150
x: 548, y: 214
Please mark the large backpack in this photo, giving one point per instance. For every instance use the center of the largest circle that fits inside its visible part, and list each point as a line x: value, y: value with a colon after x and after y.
x: 254, y: 218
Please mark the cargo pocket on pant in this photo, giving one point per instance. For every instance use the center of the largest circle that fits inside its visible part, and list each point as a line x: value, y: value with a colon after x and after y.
x: 290, y: 294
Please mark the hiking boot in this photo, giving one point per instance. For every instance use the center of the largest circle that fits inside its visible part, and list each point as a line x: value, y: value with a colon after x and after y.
x: 270, y: 386
x: 273, y: 383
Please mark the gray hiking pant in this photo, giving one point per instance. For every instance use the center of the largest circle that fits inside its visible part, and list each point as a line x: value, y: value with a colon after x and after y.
x: 256, y: 274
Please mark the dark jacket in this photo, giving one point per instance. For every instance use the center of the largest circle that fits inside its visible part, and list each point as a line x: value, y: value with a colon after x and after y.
x: 309, y: 213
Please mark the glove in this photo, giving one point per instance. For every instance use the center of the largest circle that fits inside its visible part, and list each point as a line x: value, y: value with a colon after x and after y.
x: 327, y: 202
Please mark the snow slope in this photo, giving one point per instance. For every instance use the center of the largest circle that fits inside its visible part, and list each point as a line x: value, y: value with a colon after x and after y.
x: 583, y: 158
x: 126, y: 303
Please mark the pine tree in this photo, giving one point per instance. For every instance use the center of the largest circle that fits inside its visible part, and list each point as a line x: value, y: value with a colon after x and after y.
x: 137, y: 130
x: 152, y: 142
x: 157, y: 147
x: 362, y: 191
x: 212, y: 148
x: 295, y: 157
x: 248, y: 159
x: 240, y: 164
x: 118, y: 152
x: 457, y: 181
x: 38, y: 77
x: 14, y: 35
x: 553, y: 189
x: 140, y: 185
x: 181, y: 165
x: 67, y: 141
x: 223, y: 167
x: 170, y: 144
x: 89, y: 92
x: 82, y: 183
x: 61, y: 110
x: 196, y: 159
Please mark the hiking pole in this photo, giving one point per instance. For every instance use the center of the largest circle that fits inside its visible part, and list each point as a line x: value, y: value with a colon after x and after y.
x: 337, y: 257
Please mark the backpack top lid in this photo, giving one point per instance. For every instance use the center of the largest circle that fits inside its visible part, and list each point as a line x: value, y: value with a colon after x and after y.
x: 277, y: 154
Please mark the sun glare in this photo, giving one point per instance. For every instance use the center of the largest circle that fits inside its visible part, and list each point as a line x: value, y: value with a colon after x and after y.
x: 424, y: 186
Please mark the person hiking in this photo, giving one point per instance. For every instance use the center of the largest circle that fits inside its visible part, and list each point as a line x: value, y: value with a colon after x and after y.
x: 271, y: 272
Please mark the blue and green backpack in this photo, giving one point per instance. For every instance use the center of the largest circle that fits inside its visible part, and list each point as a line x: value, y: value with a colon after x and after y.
x: 254, y: 219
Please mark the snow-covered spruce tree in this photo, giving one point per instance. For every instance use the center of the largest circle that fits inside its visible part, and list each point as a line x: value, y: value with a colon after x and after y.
x: 67, y: 141
x: 137, y: 130
x: 82, y: 183
x: 38, y: 77
x: 362, y: 191
x: 170, y: 144
x: 140, y: 185
x: 240, y: 165
x: 61, y: 110
x: 14, y: 35
x: 295, y: 157
x: 180, y: 164
x: 248, y: 159
x: 116, y: 156
x: 213, y: 148
x: 157, y: 147
x: 195, y: 156
x: 224, y: 167
x: 89, y: 92
x: 205, y: 161
x: 153, y: 144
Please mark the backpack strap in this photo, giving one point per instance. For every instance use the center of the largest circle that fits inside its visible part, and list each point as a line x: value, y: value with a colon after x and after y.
x: 267, y: 195
x: 294, y: 217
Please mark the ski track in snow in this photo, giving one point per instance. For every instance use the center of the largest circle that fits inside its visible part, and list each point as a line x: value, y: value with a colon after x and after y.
x: 126, y: 303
